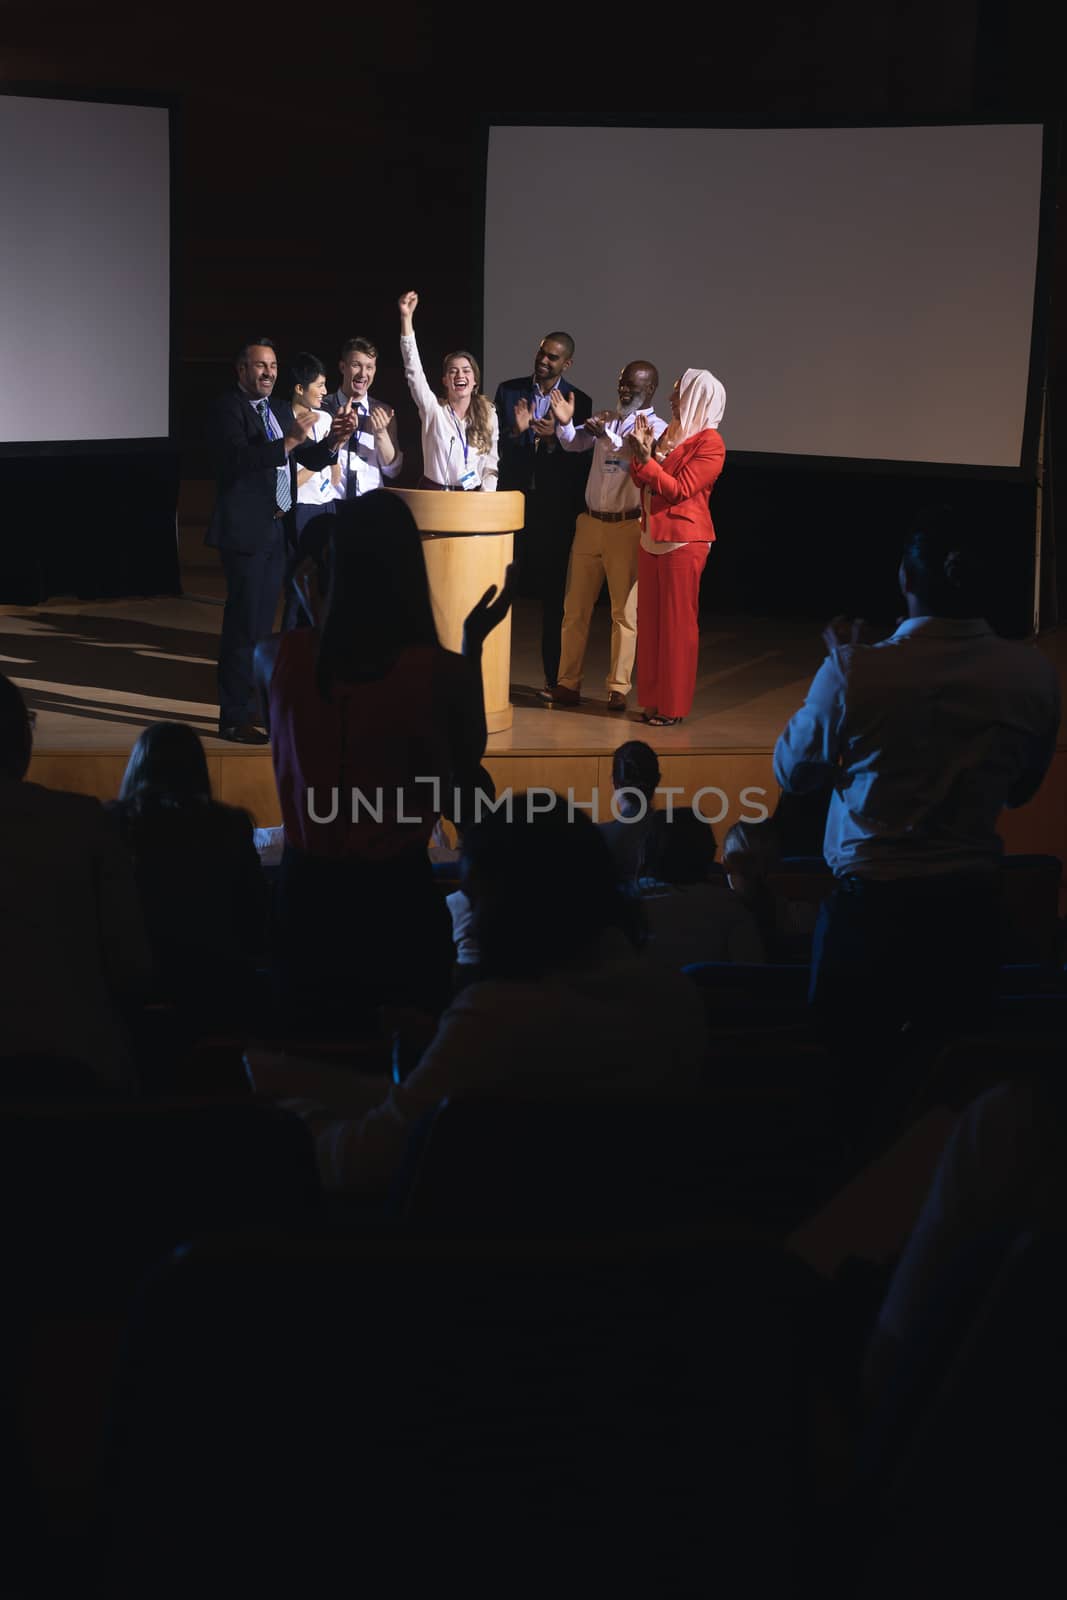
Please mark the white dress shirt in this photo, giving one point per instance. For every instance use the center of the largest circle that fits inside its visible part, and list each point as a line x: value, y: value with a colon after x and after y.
x: 361, y: 457
x: 925, y: 738
x: 444, y: 436
x: 609, y: 486
x: 318, y: 490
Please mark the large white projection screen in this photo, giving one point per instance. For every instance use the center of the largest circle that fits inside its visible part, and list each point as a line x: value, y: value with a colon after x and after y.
x: 862, y: 292
x: 84, y: 271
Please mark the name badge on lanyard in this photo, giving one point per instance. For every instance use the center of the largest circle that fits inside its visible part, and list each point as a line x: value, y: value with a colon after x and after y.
x: 468, y: 478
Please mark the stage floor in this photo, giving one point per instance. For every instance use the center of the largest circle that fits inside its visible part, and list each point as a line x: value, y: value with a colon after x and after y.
x: 96, y: 673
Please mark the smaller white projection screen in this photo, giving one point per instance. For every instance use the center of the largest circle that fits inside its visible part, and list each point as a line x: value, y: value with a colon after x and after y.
x: 862, y: 292
x: 84, y: 271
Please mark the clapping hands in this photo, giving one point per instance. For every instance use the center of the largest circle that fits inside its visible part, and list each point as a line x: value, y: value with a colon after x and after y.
x: 641, y: 439
x: 562, y: 406
x: 846, y: 630
x: 341, y: 428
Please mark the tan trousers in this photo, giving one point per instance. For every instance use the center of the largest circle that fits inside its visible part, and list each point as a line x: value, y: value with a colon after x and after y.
x: 601, y: 550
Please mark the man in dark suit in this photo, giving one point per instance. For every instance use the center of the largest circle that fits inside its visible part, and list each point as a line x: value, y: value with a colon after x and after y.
x: 258, y: 443
x: 552, y: 480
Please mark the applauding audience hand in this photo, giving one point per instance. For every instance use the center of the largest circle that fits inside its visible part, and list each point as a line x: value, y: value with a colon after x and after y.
x: 847, y: 630
x: 486, y: 613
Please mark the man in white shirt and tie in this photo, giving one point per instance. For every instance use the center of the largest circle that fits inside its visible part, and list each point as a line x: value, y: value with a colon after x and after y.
x: 372, y: 455
x: 607, y: 535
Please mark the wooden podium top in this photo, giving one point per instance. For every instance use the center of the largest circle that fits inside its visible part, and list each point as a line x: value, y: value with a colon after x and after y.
x: 453, y: 512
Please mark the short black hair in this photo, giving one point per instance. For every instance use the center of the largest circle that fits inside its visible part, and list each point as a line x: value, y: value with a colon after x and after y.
x: 249, y: 344
x: 946, y: 562
x: 305, y: 369
x: 363, y: 346
x: 564, y: 339
x: 635, y: 765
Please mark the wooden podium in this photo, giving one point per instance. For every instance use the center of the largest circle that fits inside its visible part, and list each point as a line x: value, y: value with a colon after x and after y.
x: 468, y: 541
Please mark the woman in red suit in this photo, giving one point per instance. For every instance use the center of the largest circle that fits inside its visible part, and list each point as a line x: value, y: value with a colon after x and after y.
x: 675, y: 475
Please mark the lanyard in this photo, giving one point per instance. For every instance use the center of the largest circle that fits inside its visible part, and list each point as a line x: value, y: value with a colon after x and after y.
x: 462, y: 434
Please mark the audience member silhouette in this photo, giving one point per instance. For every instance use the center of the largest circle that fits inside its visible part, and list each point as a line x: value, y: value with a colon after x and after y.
x: 465, y: 809
x: 635, y: 777
x: 566, y: 1003
x: 925, y: 738
x: 72, y: 943
x: 203, y: 893
x: 1001, y: 1173
x: 692, y: 914
x: 369, y: 720
x: 751, y: 853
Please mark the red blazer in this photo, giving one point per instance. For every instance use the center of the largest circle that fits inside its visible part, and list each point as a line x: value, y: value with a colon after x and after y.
x: 678, y: 503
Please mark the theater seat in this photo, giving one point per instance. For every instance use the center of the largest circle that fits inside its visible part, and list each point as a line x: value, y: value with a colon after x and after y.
x: 538, y: 1415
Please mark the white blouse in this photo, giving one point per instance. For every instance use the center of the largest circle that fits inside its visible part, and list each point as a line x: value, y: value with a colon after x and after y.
x: 319, y: 489
x: 444, y: 435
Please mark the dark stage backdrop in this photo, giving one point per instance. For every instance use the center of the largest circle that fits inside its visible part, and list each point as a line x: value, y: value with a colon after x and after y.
x: 320, y: 180
x: 96, y: 527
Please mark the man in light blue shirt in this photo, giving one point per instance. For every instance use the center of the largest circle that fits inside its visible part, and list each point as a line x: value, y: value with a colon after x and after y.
x: 925, y: 738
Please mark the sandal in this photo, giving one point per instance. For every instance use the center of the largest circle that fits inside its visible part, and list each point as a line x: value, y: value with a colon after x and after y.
x: 657, y: 721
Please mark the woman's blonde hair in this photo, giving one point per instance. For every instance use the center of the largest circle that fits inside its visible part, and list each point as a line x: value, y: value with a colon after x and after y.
x: 480, y: 415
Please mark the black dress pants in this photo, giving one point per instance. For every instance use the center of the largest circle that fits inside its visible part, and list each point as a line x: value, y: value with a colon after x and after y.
x: 253, y: 585
x: 548, y: 537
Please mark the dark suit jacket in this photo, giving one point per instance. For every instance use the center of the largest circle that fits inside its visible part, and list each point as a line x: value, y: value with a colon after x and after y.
x: 246, y: 464
x: 559, y: 471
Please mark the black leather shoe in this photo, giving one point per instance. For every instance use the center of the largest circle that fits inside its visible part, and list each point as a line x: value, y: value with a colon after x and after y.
x: 242, y: 733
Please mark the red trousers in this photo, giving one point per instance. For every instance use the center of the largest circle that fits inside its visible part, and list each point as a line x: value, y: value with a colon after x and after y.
x: 668, y: 628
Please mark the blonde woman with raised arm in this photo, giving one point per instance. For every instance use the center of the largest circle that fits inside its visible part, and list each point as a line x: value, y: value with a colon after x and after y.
x: 460, y: 430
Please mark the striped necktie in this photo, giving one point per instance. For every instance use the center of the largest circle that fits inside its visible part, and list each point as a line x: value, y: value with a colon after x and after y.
x: 283, y: 492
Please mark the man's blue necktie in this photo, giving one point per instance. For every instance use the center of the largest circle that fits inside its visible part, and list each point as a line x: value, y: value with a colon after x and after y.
x: 283, y: 492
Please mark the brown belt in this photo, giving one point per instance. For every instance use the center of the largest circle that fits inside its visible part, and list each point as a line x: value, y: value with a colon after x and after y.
x: 616, y: 516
